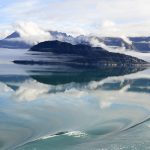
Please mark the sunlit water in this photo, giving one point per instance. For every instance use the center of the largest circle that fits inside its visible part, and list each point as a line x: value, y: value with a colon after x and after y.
x: 90, y: 110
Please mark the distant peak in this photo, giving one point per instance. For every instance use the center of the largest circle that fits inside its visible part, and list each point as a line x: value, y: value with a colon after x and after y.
x: 13, y: 35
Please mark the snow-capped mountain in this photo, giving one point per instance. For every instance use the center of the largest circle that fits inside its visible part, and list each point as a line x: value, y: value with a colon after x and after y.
x: 112, y: 42
x: 20, y: 40
x: 14, y: 41
x: 141, y: 44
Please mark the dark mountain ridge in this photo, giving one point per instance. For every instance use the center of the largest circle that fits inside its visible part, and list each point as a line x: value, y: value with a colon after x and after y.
x: 79, y: 56
x: 141, y: 44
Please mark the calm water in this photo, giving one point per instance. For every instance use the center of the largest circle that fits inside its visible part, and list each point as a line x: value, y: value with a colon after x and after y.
x: 46, y: 109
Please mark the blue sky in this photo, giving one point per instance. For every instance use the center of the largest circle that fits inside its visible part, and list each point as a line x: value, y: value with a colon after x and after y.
x: 79, y: 16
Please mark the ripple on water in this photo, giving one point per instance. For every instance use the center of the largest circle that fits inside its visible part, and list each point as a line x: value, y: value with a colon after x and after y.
x: 91, y: 116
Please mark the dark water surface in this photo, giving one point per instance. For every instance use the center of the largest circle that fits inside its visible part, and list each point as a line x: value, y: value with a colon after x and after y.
x: 42, y: 108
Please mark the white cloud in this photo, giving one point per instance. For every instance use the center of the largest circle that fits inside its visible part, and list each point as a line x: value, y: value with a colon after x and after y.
x: 5, y: 30
x: 127, y: 40
x: 4, y: 88
x: 31, y: 90
x: 107, y: 24
x: 96, y: 43
x: 93, y: 85
x: 4, y: 34
x: 32, y: 33
x: 123, y: 30
x: 105, y: 17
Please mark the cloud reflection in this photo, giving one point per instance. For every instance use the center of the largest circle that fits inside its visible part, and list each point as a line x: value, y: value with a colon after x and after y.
x: 31, y: 90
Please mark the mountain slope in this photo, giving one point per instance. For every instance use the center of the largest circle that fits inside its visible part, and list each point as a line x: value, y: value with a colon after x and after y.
x: 141, y: 44
x: 78, y: 56
x: 13, y: 41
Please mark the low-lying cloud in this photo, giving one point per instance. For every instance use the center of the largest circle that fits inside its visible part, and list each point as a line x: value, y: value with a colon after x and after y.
x: 32, y: 33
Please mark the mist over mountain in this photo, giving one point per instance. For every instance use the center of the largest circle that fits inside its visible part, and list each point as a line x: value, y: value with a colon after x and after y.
x: 28, y: 35
x: 25, y: 36
x: 13, y: 41
x: 78, y: 56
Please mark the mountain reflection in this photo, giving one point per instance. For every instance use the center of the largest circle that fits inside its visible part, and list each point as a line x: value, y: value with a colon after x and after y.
x: 90, y: 106
x: 37, y: 82
x: 80, y: 76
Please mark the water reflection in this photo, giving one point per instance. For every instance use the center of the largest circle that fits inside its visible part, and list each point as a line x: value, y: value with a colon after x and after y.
x: 103, y: 109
